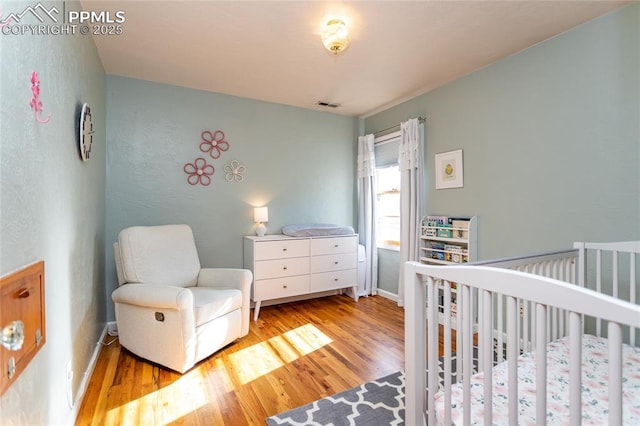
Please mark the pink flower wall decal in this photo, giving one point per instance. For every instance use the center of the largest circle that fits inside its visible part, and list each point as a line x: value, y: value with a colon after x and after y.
x: 199, y: 172
x: 35, y: 103
x: 213, y: 143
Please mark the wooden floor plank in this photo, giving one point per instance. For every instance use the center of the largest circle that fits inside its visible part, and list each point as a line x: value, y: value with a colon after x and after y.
x: 294, y: 354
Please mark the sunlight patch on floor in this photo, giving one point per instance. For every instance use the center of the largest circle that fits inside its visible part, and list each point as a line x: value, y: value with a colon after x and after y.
x: 307, y: 339
x: 265, y: 357
x: 162, y: 406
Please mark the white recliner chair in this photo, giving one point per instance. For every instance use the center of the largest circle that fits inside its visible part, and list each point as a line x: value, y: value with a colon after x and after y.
x: 168, y: 309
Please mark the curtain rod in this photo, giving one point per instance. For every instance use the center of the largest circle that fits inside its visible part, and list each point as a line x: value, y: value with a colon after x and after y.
x: 420, y: 119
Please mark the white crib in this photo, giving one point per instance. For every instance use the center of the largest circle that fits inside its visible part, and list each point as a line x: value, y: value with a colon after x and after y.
x: 541, y: 311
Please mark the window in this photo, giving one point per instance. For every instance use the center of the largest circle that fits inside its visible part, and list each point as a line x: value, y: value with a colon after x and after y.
x: 388, y: 191
x: 388, y: 220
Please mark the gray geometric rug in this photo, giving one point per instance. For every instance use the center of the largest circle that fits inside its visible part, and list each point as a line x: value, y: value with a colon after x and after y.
x: 376, y: 403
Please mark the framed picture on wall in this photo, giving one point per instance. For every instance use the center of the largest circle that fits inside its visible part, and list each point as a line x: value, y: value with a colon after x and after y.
x: 449, y: 170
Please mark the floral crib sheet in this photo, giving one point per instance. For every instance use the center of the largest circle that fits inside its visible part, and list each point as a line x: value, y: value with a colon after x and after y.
x: 594, y: 387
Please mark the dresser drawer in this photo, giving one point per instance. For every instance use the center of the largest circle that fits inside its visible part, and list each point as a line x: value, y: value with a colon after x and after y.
x: 334, y: 262
x: 332, y: 280
x: 281, y: 287
x: 281, y: 267
x: 334, y: 245
x: 279, y: 249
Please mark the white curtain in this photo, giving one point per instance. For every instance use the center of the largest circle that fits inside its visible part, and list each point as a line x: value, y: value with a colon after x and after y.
x: 367, y: 200
x: 411, y: 168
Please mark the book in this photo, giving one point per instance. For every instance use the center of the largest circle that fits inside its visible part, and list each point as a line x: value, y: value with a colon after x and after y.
x: 460, y: 228
x: 436, y: 220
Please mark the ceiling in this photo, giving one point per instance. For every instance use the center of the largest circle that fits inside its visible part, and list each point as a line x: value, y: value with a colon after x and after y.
x: 271, y: 50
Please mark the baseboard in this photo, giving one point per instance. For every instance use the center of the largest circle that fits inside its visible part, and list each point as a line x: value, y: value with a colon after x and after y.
x: 75, y: 410
x: 388, y: 295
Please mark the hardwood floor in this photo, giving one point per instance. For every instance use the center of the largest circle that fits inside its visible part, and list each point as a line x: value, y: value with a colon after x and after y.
x: 294, y: 354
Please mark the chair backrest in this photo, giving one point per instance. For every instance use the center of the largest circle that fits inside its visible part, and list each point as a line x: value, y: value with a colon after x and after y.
x: 159, y: 255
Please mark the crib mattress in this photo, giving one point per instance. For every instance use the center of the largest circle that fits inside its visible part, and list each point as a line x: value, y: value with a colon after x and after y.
x: 594, y: 387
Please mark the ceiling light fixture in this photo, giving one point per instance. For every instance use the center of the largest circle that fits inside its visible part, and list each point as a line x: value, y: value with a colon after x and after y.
x: 335, y: 36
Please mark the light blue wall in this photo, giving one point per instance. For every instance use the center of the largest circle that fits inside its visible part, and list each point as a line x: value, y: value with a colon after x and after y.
x: 551, y: 141
x: 388, y: 270
x: 53, y: 209
x: 300, y: 163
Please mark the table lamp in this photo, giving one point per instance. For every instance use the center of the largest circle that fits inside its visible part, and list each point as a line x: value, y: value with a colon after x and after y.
x: 260, y: 215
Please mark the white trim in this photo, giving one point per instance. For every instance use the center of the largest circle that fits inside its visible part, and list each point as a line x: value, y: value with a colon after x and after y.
x: 86, y: 378
x: 387, y: 295
x: 388, y: 247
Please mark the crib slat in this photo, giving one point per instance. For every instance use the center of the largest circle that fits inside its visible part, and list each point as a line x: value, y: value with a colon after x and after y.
x: 615, y: 373
x: 520, y: 342
x: 459, y: 324
x: 467, y: 355
x: 500, y: 323
x: 525, y: 326
x: 487, y: 354
x: 433, y: 326
x: 575, y: 369
x: 512, y: 359
x: 632, y: 292
x: 533, y: 321
x: 598, y: 286
x: 548, y: 325
x: 480, y: 329
x: 614, y: 277
x: 447, y: 351
x: 541, y: 364
x: 554, y: 324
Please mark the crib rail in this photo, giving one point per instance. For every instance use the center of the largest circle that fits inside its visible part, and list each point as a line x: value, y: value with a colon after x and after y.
x: 558, y: 264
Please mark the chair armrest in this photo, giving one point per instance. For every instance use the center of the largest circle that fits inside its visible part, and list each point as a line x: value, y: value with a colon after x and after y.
x: 153, y: 296
x: 240, y: 279
x: 225, y: 278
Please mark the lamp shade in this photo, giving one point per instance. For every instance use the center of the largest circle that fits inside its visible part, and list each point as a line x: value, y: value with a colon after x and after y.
x: 261, y: 214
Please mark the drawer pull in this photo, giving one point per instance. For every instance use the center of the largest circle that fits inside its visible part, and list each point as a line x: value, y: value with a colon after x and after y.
x: 336, y: 262
x: 336, y: 280
x: 23, y: 293
x: 284, y: 267
x: 284, y: 249
x: 336, y: 245
x: 284, y: 286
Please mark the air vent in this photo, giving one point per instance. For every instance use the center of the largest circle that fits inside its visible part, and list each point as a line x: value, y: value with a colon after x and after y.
x: 327, y: 104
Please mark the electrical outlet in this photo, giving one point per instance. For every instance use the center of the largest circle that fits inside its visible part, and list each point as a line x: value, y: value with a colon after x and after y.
x: 521, y: 309
x: 69, y: 384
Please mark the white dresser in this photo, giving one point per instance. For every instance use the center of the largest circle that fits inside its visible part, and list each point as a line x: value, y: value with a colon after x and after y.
x: 286, y: 266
